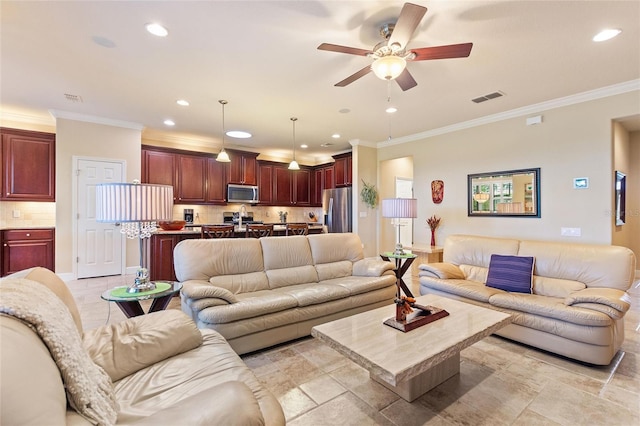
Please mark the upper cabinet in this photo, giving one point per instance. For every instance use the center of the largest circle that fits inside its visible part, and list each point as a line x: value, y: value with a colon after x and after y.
x: 160, y: 167
x: 243, y: 168
x: 28, y: 165
x: 283, y: 187
x: 342, y: 169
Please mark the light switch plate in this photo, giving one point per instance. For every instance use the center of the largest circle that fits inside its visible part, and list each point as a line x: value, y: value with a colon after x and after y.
x: 16, y: 214
x: 570, y: 232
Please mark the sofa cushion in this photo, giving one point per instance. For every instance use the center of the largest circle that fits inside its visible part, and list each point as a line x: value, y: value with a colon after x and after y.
x: 470, y: 289
x: 358, y: 285
x: 327, y: 271
x: 593, y: 265
x: 287, y: 261
x: 555, y: 287
x: 476, y: 250
x: 128, y: 346
x: 328, y: 248
x: 242, y: 283
x: 550, y: 307
x: 205, y: 258
x: 314, y: 293
x: 511, y: 273
x: 250, y: 305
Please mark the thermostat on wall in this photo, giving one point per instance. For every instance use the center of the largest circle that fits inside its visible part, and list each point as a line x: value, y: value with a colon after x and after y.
x: 580, y: 183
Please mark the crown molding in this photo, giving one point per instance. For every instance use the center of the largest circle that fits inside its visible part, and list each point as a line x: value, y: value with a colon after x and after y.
x: 18, y: 117
x: 603, y: 92
x: 57, y: 114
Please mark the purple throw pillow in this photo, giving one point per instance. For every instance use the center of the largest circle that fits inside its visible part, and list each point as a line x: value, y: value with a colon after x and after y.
x: 511, y: 273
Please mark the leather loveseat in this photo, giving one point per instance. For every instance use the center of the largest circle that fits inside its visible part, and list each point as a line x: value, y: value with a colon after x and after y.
x: 155, y: 369
x: 577, y: 302
x: 261, y: 292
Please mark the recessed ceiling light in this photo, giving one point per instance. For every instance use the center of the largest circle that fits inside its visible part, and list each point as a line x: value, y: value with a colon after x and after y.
x: 157, y: 30
x: 182, y: 102
x: 606, y: 34
x: 391, y: 109
x: 169, y: 123
x: 238, y: 134
x: 304, y: 146
x: 335, y: 136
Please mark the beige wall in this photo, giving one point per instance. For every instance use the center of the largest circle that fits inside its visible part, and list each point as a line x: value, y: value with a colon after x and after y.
x: 78, y: 138
x: 365, y: 164
x: 572, y: 141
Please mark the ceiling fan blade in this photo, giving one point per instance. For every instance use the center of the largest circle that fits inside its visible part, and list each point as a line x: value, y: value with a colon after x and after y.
x: 406, y: 81
x: 343, y: 49
x: 443, y: 52
x: 353, y: 77
x: 408, y: 21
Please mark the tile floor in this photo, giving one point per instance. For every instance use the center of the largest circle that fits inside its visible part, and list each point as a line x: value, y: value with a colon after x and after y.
x: 500, y: 382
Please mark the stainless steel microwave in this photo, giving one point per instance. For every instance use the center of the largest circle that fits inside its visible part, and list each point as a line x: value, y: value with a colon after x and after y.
x: 242, y: 194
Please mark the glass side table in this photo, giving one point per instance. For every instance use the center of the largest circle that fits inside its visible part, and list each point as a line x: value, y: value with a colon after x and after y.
x: 403, y: 263
x: 130, y: 303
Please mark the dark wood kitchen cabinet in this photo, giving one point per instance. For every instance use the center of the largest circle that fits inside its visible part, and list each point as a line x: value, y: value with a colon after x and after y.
x: 162, y: 245
x: 216, y: 182
x: 192, y: 179
x: 265, y: 182
x: 160, y: 167
x: 323, y: 179
x: 291, y: 187
x: 243, y: 168
x: 342, y: 170
x: 26, y: 248
x: 28, y: 165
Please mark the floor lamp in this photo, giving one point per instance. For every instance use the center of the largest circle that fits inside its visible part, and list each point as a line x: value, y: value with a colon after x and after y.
x: 137, y: 207
x: 399, y: 208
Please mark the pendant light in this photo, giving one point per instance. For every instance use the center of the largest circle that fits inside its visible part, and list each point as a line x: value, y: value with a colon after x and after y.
x: 293, y: 165
x: 223, y: 157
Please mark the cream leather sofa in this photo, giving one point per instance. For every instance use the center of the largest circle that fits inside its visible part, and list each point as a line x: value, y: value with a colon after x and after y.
x: 163, y: 369
x: 261, y: 292
x: 578, y: 301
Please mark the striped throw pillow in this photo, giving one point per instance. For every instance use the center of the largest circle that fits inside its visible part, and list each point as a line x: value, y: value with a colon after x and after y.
x: 511, y: 273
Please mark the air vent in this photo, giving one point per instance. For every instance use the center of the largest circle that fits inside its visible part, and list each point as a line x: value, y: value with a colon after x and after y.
x: 73, y: 98
x: 488, y: 97
x: 326, y: 144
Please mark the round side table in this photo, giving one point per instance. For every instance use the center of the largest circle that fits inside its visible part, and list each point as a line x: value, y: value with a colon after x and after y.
x: 130, y: 304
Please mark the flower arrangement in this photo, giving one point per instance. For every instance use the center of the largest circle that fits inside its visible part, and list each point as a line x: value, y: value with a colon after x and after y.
x: 283, y: 216
x: 433, y: 222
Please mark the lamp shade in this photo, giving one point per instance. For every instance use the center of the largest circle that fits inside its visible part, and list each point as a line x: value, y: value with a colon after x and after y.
x: 129, y: 202
x: 400, y: 207
x: 388, y: 67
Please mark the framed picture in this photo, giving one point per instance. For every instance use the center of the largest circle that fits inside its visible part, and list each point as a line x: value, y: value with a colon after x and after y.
x: 580, y: 183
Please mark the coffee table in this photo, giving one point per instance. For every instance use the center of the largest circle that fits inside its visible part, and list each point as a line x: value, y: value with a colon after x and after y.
x: 410, y: 364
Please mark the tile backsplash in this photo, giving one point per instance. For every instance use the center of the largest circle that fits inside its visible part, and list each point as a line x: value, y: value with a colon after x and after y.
x: 26, y: 214
x: 214, y: 214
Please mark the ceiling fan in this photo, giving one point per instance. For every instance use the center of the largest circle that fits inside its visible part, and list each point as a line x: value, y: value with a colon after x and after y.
x: 391, y: 55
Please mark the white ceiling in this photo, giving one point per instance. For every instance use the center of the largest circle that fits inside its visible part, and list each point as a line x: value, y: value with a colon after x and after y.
x: 261, y: 56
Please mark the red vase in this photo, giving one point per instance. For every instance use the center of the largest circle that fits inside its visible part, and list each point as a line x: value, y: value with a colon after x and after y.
x: 433, y: 237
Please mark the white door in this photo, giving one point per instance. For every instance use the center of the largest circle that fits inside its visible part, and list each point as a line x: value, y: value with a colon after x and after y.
x: 404, y: 189
x: 99, y: 245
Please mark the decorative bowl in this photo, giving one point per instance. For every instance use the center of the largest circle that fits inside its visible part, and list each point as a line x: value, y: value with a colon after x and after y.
x: 174, y: 225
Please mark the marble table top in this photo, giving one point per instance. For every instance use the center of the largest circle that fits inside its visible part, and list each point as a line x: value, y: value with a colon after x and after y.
x: 394, y: 356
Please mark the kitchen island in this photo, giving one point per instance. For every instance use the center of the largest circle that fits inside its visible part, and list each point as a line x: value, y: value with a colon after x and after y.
x: 163, y: 242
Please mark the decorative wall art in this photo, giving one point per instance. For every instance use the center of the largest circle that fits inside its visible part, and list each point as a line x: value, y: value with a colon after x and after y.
x: 437, y: 191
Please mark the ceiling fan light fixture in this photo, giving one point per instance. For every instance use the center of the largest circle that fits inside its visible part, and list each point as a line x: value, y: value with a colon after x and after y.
x: 389, y: 67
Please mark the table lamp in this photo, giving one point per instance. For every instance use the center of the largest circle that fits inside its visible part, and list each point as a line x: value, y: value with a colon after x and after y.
x: 137, y: 207
x: 399, y: 208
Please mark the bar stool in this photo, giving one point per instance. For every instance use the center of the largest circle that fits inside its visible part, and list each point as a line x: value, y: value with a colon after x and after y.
x: 257, y: 230
x: 297, y: 229
x: 216, y: 231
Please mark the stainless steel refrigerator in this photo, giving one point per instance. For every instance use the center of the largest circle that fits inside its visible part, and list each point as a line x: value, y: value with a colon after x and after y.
x: 336, y: 206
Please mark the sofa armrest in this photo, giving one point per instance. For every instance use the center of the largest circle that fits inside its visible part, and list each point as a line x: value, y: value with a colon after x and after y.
x: 131, y: 345
x: 229, y: 403
x: 196, y: 291
x: 591, y: 297
x: 442, y: 270
x: 372, y: 267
